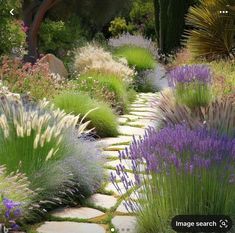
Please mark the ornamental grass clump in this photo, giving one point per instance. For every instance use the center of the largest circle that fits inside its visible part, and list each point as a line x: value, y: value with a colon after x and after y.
x: 137, y: 57
x: 191, y: 175
x: 15, y: 198
x: 192, y: 85
x: 95, y: 58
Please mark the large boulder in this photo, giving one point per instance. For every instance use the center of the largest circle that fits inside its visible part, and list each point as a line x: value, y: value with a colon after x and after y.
x: 56, y: 66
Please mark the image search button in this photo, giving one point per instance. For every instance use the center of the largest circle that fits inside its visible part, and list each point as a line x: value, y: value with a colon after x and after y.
x: 201, y: 223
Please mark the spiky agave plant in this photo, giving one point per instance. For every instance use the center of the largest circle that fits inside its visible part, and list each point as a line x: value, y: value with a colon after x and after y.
x: 213, y: 33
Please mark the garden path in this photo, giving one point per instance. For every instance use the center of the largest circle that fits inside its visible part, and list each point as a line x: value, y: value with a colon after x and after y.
x: 105, y: 212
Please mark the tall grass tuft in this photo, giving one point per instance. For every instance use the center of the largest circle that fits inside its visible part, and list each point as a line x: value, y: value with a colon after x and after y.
x: 193, y: 175
x: 106, y: 88
x: 101, y: 116
x: 137, y: 57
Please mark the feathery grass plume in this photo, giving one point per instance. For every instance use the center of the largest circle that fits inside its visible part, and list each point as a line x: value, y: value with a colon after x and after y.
x: 101, y: 117
x: 137, y: 57
x: 212, y: 36
x: 31, y: 135
x: 191, y: 175
x: 94, y: 58
x: 134, y: 40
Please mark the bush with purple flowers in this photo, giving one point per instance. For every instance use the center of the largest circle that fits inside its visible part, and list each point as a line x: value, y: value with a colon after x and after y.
x: 11, y: 212
x: 194, y: 174
x: 192, y: 85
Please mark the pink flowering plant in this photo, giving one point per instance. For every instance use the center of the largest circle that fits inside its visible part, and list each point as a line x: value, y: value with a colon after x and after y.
x: 178, y: 170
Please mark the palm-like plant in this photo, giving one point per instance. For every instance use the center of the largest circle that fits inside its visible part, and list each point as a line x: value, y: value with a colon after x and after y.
x: 213, y: 34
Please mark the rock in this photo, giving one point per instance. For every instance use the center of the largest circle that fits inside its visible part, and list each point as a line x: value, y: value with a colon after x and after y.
x: 110, y: 188
x: 70, y: 227
x: 103, y: 201
x: 80, y: 213
x: 129, y: 130
x: 125, y: 224
x: 56, y: 66
x: 115, y: 148
x: 110, y: 154
x: 111, y: 141
x: 122, y: 120
x: 145, y: 123
x: 143, y: 114
x: 122, y: 209
x: 145, y: 109
x: 131, y: 117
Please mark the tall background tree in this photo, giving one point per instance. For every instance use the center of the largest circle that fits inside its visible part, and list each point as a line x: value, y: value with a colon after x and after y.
x: 170, y: 22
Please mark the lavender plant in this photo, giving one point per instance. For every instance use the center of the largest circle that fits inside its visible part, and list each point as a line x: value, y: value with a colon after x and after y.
x: 191, y: 175
x: 192, y: 85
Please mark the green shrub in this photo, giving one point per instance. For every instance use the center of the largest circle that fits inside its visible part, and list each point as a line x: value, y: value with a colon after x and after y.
x: 140, y: 58
x: 118, y: 26
x: 104, y: 87
x: 55, y: 36
x: 102, y: 118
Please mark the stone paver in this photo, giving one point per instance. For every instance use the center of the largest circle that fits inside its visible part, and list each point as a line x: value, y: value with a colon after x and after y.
x: 112, y: 154
x: 118, y: 140
x: 144, y: 114
x: 131, y: 117
x: 122, y: 120
x: 70, y: 227
x: 145, y: 123
x: 81, y: 213
x: 110, y: 187
x: 104, y: 201
x: 125, y: 224
x: 122, y: 209
x: 129, y: 130
x: 115, y: 148
x: 151, y: 110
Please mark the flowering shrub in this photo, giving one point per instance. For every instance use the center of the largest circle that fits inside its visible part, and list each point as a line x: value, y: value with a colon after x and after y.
x: 35, y: 80
x: 192, y: 85
x: 94, y: 58
x: 15, y: 198
x: 133, y: 40
x: 191, y: 175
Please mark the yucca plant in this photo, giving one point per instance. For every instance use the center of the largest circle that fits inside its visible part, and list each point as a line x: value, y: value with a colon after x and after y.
x: 212, y: 34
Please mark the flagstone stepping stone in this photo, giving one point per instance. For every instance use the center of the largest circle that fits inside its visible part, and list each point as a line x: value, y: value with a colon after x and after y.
x: 131, y: 176
x: 144, y: 114
x: 122, y: 209
x: 70, y: 227
x: 115, y: 148
x: 145, y: 109
x: 129, y: 130
x: 117, y: 140
x: 145, y: 123
x: 110, y: 188
x: 138, y: 106
x: 104, y: 201
x: 131, y: 117
x: 80, y: 213
x: 125, y: 224
x: 122, y: 120
x: 108, y: 154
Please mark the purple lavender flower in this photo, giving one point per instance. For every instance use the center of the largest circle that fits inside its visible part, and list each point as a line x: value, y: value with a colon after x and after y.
x: 190, y: 73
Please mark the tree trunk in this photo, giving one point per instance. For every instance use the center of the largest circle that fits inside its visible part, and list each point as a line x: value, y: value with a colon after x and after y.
x: 36, y: 19
x: 157, y: 18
